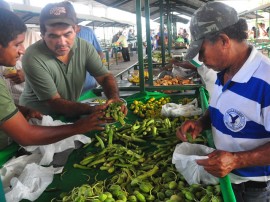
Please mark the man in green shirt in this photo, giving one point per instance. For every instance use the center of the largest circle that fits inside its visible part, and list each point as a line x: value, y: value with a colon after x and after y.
x: 56, y: 66
x: 13, y: 119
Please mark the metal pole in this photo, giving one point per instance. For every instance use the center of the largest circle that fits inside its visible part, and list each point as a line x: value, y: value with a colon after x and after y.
x: 169, y: 27
x: 140, y: 44
x: 149, y: 44
x: 162, y: 32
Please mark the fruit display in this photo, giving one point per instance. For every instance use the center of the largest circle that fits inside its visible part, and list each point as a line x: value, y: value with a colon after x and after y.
x: 135, y: 78
x: 139, y: 172
x: 157, y: 57
x: 152, y: 107
x: 114, y: 111
x: 168, y: 80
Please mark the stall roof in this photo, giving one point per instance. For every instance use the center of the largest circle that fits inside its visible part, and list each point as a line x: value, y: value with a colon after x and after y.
x: 30, y: 15
x: 110, y: 23
x: 251, y: 14
x: 185, y: 7
x: 264, y: 8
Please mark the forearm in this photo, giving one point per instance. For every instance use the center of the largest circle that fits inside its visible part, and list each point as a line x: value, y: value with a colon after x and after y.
x: 42, y: 135
x: 109, y: 86
x: 69, y: 108
x: 26, y: 134
x: 256, y: 157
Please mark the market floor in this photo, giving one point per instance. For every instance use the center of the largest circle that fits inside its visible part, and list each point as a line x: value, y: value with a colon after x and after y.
x: 121, y: 65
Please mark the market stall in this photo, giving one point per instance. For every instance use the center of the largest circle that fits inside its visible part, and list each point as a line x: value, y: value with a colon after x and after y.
x: 80, y: 177
x: 156, y: 157
x: 145, y: 151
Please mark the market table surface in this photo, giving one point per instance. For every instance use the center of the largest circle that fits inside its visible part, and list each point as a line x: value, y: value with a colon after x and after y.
x: 72, y: 177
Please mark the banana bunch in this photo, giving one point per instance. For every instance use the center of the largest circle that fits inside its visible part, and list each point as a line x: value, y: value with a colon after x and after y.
x: 135, y: 77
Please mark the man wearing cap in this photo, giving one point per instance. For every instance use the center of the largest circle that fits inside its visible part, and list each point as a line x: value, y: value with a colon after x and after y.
x: 239, y: 110
x: 56, y: 66
x: 13, y: 119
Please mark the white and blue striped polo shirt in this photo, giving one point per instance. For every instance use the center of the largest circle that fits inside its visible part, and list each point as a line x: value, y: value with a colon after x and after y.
x: 240, y: 112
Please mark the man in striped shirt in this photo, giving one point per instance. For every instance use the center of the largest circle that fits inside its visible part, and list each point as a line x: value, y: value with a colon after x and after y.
x: 239, y: 111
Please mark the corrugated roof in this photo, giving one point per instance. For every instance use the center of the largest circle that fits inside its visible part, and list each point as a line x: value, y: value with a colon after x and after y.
x: 185, y: 7
x: 30, y: 15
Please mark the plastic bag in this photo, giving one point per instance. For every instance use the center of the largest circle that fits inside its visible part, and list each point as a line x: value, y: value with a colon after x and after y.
x: 49, y: 150
x: 176, y: 110
x: 31, y: 183
x: 184, y: 157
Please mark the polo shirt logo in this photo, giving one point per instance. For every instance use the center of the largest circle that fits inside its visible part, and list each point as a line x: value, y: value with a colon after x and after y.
x: 234, y: 120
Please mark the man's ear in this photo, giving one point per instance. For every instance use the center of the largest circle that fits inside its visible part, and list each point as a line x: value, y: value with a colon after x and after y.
x: 76, y: 28
x: 224, y: 39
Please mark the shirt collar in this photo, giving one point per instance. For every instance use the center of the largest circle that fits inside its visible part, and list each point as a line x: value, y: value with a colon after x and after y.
x: 246, y: 71
x: 249, y: 67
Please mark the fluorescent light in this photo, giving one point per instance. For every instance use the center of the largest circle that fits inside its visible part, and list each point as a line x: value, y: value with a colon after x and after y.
x: 185, y: 16
x: 176, y: 13
x: 83, y: 23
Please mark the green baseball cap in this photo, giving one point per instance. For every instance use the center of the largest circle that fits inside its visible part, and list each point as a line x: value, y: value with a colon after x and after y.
x: 208, y: 19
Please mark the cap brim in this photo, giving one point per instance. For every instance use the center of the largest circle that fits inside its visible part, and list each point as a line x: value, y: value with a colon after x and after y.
x: 194, y: 49
x: 59, y: 20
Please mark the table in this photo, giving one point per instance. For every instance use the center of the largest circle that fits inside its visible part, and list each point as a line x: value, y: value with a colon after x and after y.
x: 72, y: 177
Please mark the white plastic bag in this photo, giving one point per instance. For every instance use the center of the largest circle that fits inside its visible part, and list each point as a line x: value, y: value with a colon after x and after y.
x: 31, y: 183
x: 176, y: 110
x: 184, y: 157
x: 49, y: 150
x: 15, y: 166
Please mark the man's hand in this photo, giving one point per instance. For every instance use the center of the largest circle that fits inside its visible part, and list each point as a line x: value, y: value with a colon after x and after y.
x: 98, y: 108
x: 17, y: 77
x: 220, y: 163
x: 191, y: 126
x: 29, y: 113
x: 124, y: 108
x: 91, y: 122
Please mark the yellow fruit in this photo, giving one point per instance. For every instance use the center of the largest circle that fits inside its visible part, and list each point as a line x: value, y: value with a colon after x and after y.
x: 10, y: 70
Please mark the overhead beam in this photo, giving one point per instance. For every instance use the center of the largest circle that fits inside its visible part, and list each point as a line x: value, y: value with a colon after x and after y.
x: 28, y: 16
x: 180, y: 3
x: 119, y: 3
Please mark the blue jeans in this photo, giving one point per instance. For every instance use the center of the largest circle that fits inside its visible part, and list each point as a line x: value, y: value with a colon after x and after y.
x: 252, y: 191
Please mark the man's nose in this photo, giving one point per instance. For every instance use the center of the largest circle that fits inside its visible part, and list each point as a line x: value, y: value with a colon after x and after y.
x: 61, y: 40
x: 22, y: 49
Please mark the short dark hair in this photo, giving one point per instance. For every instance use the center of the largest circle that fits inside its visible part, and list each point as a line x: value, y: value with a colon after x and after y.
x: 238, y: 31
x: 10, y: 26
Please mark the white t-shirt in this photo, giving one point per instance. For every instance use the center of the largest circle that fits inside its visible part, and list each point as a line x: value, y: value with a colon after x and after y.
x: 208, y: 76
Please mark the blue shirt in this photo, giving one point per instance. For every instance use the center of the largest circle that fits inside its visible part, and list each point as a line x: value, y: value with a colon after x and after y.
x: 240, y: 112
x: 88, y: 34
